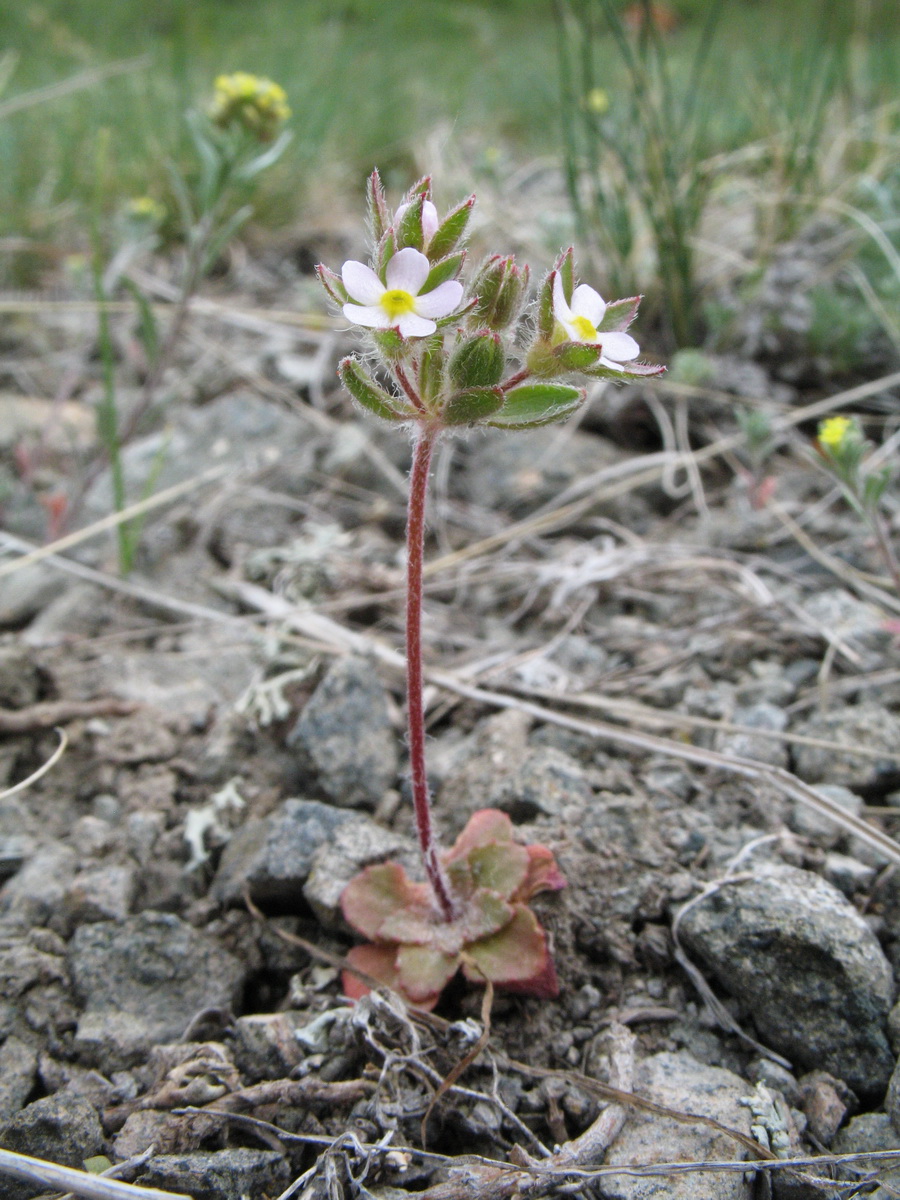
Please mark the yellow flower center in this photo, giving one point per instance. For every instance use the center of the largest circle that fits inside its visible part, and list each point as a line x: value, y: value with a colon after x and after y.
x: 833, y: 432
x: 586, y: 331
x: 396, y: 303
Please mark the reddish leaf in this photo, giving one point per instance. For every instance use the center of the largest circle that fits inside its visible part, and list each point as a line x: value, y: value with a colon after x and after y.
x: 485, y: 826
x: 377, y: 893
x: 500, y: 866
x: 423, y: 972
x: 544, y: 985
x: 543, y: 873
x: 517, y: 954
x: 377, y: 961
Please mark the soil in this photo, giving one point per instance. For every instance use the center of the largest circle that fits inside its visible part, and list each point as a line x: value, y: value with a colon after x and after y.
x: 170, y: 994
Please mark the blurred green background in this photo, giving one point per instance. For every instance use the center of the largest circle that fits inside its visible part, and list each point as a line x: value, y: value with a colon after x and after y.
x: 649, y: 111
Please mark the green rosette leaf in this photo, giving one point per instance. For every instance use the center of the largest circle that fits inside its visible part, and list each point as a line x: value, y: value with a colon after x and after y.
x: 576, y: 356
x: 472, y: 405
x: 536, y: 404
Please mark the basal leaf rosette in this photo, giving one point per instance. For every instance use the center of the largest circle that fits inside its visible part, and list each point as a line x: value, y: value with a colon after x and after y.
x: 494, y: 936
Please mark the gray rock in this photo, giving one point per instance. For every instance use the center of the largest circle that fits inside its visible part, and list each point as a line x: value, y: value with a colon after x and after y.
x: 20, y: 679
x: 18, y: 1071
x: 678, y: 1081
x: 868, y: 724
x: 344, y: 737
x: 141, y: 981
x: 763, y: 749
x: 870, y: 1132
x: 356, y: 844
x: 35, y: 893
x: 272, y: 856
x: 218, y: 1174
x: 519, y: 474
x: 100, y: 894
x: 848, y: 618
x: 60, y: 1129
x: 806, y: 966
x: 505, y: 773
x: 817, y: 827
x: 27, y: 591
x: 848, y: 874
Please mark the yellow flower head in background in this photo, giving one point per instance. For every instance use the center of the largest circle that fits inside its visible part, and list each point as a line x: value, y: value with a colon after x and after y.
x: 145, y: 209
x: 250, y: 102
x: 835, y: 431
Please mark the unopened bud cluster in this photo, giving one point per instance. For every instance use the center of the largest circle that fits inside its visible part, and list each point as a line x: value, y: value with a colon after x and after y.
x: 454, y: 346
x: 248, y: 102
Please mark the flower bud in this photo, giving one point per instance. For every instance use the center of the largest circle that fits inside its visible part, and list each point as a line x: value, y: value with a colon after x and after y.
x: 478, y: 361
x: 249, y: 102
x: 500, y: 288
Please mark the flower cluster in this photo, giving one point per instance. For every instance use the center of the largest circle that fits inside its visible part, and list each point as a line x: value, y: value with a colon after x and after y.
x: 494, y: 935
x: 454, y: 347
x: 843, y: 450
x: 249, y: 102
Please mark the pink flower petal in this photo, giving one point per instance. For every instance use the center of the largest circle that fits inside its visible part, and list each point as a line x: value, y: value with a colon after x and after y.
x: 372, y: 316
x: 407, y: 271
x: 412, y: 326
x: 430, y: 220
x: 361, y: 282
x: 442, y: 301
x: 588, y: 303
x: 620, y: 347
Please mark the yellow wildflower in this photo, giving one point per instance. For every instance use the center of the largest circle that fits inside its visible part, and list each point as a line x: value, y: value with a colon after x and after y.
x: 250, y: 102
x: 834, y: 432
x: 597, y: 101
x: 145, y: 208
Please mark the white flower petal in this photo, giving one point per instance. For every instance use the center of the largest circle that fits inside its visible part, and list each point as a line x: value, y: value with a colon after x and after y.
x: 442, y: 301
x: 619, y: 346
x: 602, y: 361
x: 588, y: 303
x: 561, y: 309
x: 411, y: 325
x: 361, y: 282
x: 407, y: 271
x: 372, y: 316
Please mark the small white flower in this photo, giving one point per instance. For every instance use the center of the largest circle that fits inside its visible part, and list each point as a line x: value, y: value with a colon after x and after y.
x: 399, y: 304
x: 578, y: 323
x: 430, y: 220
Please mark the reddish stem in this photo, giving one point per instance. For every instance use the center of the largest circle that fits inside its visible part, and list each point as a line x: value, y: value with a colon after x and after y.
x: 415, y: 551
x: 409, y: 389
x: 519, y: 377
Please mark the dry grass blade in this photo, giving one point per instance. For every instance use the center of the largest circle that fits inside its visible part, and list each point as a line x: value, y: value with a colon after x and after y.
x: 322, y: 628
x: 76, y: 83
x: 113, y: 520
x: 42, y: 770
x: 79, y: 1183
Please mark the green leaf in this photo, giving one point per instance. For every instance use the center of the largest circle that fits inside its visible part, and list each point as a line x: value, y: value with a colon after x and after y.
x: 478, y: 361
x: 390, y: 343
x: 379, y: 214
x: 365, y: 391
x: 268, y: 158
x: 536, y: 404
x: 333, y: 284
x: 472, y: 405
x: 149, y: 333
x: 409, y: 231
x: 619, y: 315
x: 566, y: 266
x: 384, y: 252
x: 446, y: 268
x: 431, y: 371
x: 545, y: 308
x: 451, y: 230
x: 576, y: 356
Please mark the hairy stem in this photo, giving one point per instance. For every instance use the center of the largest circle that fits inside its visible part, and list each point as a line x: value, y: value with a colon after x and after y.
x: 415, y: 549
